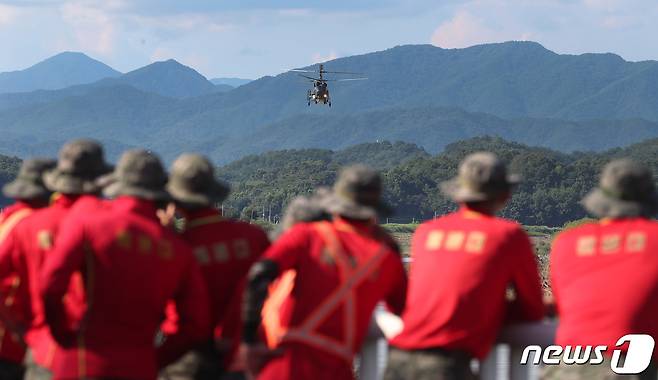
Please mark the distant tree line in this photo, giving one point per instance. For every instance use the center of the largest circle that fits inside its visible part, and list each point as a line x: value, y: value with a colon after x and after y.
x: 8, y: 170
x: 554, y: 183
x: 550, y: 194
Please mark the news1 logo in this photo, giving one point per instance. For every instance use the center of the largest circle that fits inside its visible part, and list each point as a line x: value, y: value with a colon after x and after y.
x: 637, y: 358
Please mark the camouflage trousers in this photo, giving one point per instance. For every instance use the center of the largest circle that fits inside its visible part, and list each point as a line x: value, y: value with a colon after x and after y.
x: 33, y: 371
x: 11, y: 371
x: 431, y: 364
x: 193, y: 366
x: 589, y: 371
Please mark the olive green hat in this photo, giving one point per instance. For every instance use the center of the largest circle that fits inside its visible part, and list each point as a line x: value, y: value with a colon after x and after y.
x: 29, y: 182
x: 482, y: 176
x: 192, y: 182
x: 357, y: 194
x: 626, y: 189
x: 304, y: 209
x: 139, y: 174
x: 79, y: 164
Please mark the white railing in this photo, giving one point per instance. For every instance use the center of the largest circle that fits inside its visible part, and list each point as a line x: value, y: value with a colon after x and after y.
x: 502, y: 364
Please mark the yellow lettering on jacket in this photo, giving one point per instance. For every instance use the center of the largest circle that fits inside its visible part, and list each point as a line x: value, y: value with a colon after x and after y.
x: 586, y: 246
x: 434, y: 240
x: 45, y: 239
x: 241, y: 248
x: 123, y: 240
x: 610, y: 244
x: 454, y: 240
x: 201, y: 254
x: 144, y: 244
x: 165, y: 249
x: 220, y: 252
x: 636, y: 242
x: 475, y: 242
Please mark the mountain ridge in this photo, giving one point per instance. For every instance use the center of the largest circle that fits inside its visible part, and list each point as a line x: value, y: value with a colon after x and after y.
x: 168, y: 78
x: 416, y: 93
x: 59, y: 71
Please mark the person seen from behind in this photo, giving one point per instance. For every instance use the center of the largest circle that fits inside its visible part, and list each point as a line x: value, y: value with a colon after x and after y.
x: 225, y: 249
x: 26, y: 248
x: 131, y: 266
x: 604, y: 274
x: 30, y: 194
x: 462, y: 265
x: 343, y: 268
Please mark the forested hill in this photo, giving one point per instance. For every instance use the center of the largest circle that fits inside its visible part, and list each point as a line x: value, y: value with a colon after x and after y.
x: 554, y: 183
x: 8, y: 171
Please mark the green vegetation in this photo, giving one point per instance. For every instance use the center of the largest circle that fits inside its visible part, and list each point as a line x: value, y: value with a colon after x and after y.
x: 8, y: 170
x: 554, y: 183
x: 401, y: 228
x: 541, y: 231
x: 577, y: 223
x: 263, y: 184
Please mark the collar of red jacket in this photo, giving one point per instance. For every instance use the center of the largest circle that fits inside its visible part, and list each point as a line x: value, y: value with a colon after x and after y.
x: 63, y: 200
x: 137, y: 205
x: 202, y: 213
x: 9, y: 210
x: 351, y: 225
x: 469, y: 213
x: 18, y: 205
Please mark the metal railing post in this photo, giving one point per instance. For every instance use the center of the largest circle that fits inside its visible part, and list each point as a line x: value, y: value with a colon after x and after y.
x: 502, y: 363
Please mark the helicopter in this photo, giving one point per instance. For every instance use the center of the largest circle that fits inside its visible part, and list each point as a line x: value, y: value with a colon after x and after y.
x: 320, y: 92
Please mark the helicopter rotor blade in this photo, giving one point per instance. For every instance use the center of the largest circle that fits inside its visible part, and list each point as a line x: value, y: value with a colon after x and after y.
x: 341, y: 72
x: 304, y: 71
x: 345, y: 80
x: 307, y: 77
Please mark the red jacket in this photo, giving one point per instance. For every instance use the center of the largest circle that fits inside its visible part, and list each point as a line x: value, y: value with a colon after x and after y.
x: 131, y: 266
x: 326, y: 316
x: 462, y: 265
x: 23, y: 252
x: 225, y: 250
x: 12, y: 209
x: 11, y: 288
x: 604, y: 278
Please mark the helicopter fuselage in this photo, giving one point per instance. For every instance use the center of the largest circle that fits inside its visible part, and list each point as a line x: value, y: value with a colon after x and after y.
x: 319, y: 94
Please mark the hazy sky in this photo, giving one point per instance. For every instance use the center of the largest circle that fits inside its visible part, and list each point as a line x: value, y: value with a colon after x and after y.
x: 249, y: 38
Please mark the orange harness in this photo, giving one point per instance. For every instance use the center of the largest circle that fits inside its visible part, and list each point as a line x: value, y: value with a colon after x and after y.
x: 5, y: 228
x: 8, y: 224
x: 351, y: 276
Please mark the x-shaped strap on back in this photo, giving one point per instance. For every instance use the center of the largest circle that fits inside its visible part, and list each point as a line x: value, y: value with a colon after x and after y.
x: 351, y: 275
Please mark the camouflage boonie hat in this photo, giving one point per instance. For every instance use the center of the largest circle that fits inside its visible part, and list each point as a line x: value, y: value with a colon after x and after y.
x: 357, y: 194
x: 192, y: 182
x: 29, y: 182
x: 482, y: 176
x: 303, y: 209
x: 139, y: 174
x: 79, y: 164
x: 626, y: 189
